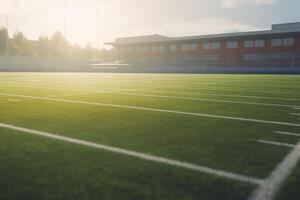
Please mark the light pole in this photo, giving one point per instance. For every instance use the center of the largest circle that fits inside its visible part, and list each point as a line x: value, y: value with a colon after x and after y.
x: 6, y: 27
x: 65, y: 19
x: 97, y: 28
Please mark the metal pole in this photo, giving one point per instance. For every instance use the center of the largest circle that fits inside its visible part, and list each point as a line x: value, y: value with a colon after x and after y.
x: 65, y: 19
x: 293, y: 60
x: 97, y: 29
x: 7, y: 37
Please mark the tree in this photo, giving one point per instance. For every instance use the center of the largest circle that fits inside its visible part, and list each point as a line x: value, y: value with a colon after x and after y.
x: 44, y: 49
x: 60, y: 48
x: 17, y: 44
x: 56, y: 47
x: 3, y: 41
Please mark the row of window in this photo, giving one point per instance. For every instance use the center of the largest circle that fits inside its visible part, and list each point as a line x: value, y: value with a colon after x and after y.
x: 217, y: 45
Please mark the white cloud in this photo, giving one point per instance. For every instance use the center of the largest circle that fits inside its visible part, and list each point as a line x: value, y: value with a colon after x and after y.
x: 241, y: 3
x: 207, y: 26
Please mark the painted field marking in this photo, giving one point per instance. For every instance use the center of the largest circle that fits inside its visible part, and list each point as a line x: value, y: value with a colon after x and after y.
x: 52, y: 96
x: 257, y: 91
x: 297, y: 114
x: 247, y: 86
x: 81, y: 93
x: 14, y: 100
x: 143, y: 156
x: 256, y: 83
x: 228, y: 95
x: 287, y: 133
x: 272, y: 185
x: 172, y: 92
x: 152, y: 109
x: 168, y: 97
x: 34, y: 80
x: 276, y: 143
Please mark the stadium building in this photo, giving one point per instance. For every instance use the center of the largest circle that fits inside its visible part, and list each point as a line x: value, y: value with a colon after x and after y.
x: 279, y: 46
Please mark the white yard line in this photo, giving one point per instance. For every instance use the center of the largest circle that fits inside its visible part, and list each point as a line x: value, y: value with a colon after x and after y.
x: 276, y: 143
x: 220, y: 95
x: 14, y: 100
x: 247, y: 86
x: 272, y: 185
x: 297, y: 114
x: 202, y: 99
x: 143, y: 156
x: 174, y: 92
x: 287, y: 133
x: 152, y: 109
x: 255, y: 91
x: 168, y: 97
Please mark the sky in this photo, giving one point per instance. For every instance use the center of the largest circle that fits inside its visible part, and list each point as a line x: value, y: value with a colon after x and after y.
x: 99, y: 21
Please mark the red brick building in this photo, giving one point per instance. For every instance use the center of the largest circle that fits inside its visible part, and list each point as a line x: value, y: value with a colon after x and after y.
x: 279, y: 46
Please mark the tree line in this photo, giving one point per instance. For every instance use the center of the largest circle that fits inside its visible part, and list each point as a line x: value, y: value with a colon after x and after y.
x: 56, y: 46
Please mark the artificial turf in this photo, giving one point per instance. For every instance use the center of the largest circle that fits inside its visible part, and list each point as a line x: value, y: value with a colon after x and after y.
x: 33, y: 167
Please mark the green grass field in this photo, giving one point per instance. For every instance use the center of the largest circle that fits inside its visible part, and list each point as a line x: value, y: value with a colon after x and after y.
x: 149, y: 136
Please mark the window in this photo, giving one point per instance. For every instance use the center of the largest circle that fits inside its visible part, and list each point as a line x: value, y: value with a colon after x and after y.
x: 185, y: 47
x: 193, y: 47
x: 276, y: 42
x: 162, y: 48
x: 259, y: 43
x: 232, y: 44
x: 154, y: 48
x: 211, y: 45
x: 173, y: 48
x: 158, y: 48
x: 254, y: 43
x: 215, y: 45
x: 189, y: 47
x: 142, y: 49
x: 283, y: 42
x: 249, y: 44
x: 206, y: 45
x: 127, y: 50
x: 288, y: 42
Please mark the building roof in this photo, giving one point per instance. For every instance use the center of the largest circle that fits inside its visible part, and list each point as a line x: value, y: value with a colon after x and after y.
x: 276, y: 29
x: 138, y: 39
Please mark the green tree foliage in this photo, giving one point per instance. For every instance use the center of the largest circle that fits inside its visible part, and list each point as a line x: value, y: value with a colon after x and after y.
x: 20, y: 46
x: 44, y: 49
x: 60, y: 48
x: 55, y: 47
x: 3, y: 41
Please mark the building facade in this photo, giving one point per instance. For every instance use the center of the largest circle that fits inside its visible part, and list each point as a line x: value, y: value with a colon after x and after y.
x: 279, y: 46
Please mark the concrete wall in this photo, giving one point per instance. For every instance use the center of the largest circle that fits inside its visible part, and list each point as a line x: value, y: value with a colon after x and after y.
x: 19, y: 63
x: 27, y: 64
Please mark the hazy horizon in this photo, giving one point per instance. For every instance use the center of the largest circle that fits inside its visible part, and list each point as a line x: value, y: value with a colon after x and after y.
x: 122, y: 19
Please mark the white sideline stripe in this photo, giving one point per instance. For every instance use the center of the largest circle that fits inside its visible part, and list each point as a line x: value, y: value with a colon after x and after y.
x: 139, y: 155
x: 153, y: 109
x: 287, y: 133
x: 14, y: 100
x: 221, y: 95
x: 164, y: 91
x: 297, y: 114
x: 246, y: 86
x: 272, y: 185
x: 168, y: 97
x: 276, y: 143
x: 258, y: 91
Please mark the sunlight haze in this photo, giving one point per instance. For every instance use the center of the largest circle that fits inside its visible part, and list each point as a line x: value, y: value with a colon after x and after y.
x: 117, y: 18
